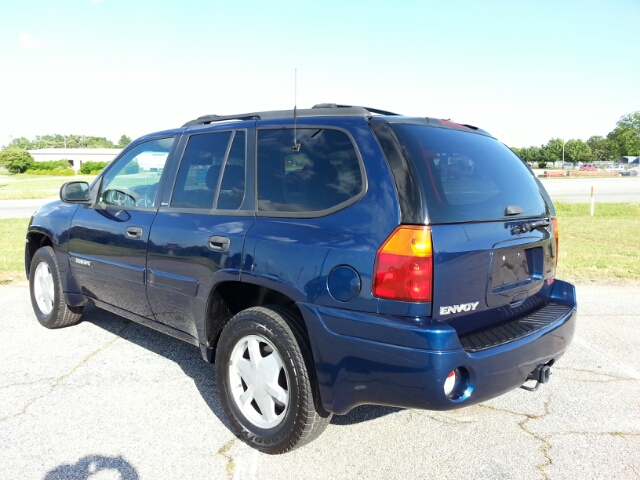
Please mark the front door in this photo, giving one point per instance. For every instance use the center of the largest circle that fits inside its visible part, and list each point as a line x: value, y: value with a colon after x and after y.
x: 108, y: 240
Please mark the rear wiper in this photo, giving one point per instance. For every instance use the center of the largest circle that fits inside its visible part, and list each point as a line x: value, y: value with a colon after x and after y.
x: 529, y: 226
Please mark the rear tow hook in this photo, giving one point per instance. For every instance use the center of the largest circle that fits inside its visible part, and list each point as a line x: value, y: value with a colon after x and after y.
x: 539, y: 375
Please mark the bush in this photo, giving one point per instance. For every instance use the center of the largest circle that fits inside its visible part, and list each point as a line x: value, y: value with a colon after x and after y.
x: 16, y: 160
x: 542, y: 164
x: 90, y: 167
x: 132, y: 168
x: 56, y: 172
x: 51, y: 165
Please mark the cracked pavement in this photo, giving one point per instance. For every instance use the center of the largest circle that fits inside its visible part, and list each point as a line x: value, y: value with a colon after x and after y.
x: 111, y: 399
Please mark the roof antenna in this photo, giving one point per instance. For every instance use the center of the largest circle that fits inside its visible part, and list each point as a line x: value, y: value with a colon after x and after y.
x: 296, y: 145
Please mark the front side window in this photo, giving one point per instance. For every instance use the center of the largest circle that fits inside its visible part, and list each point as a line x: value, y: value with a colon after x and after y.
x: 319, y: 172
x: 133, y: 180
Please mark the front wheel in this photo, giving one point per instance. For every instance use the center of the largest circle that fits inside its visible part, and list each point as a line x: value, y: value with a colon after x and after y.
x: 47, y: 297
x: 266, y: 380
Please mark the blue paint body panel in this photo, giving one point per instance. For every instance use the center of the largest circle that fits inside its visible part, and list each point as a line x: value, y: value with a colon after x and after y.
x: 363, y: 359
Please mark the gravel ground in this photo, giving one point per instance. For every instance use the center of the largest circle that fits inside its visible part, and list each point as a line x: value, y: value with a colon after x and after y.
x: 110, y: 399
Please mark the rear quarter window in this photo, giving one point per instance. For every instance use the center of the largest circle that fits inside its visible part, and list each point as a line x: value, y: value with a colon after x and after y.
x: 321, y: 172
x: 469, y: 177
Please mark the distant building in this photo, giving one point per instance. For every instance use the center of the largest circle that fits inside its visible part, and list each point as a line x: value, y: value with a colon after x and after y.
x: 629, y: 159
x: 75, y: 156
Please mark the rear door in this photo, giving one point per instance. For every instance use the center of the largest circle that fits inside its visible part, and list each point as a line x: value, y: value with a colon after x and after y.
x: 197, y: 237
x: 108, y: 240
x: 491, y: 223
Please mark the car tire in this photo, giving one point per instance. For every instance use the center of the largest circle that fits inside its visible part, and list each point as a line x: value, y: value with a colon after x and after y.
x: 47, y: 297
x: 267, y: 381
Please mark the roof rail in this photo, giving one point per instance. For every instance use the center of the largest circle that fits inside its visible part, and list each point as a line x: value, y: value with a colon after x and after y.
x: 320, y: 109
x: 372, y: 110
x: 207, y: 119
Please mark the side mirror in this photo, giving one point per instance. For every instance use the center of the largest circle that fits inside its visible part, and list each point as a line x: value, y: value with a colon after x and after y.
x: 75, y: 192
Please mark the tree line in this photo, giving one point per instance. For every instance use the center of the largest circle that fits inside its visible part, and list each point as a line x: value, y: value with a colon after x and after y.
x: 66, y: 141
x: 622, y: 140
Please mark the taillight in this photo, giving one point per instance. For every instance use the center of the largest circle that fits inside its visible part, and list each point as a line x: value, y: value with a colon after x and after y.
x: 404, y: 265
x: 556, y: 232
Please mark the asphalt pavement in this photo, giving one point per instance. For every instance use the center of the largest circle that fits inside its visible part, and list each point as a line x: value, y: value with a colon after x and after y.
x: 111, y: 399
x: 21, y: 208
x: 606, y: 190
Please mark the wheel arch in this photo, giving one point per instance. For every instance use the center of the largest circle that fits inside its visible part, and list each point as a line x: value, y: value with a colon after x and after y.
x: 228, y: 298
x: 38, y: 237
x: 35, y: 240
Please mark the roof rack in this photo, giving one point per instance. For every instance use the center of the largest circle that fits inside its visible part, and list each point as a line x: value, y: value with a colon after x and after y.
x: 207, y: 119
x: 372, y: 110
x: 321, y: 109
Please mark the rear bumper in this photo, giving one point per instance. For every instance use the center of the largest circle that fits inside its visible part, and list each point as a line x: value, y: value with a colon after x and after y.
x: 372, y: 359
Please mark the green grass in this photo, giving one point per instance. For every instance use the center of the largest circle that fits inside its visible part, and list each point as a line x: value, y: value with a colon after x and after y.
x: 22, y: 187
x: 12, y: 236
x: 604, y: 247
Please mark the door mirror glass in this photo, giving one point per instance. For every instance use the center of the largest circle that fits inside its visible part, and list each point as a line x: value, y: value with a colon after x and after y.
x: 75, y: 192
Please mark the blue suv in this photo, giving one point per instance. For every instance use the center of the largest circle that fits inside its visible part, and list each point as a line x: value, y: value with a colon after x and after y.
x: 321, y: 259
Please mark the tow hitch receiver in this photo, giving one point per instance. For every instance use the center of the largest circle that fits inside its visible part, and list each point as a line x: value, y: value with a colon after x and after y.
x: 539, y: 375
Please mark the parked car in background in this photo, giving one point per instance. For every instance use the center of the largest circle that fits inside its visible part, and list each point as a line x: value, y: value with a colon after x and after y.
x: 632, y: 172
x: 588, y: 168
x: 322, y: 258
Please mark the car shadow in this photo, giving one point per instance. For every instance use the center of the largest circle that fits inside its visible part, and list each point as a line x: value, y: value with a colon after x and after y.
x: 364, y: 413
x: 188, y: 358
x: 92, y: 465
x: 185, y: 355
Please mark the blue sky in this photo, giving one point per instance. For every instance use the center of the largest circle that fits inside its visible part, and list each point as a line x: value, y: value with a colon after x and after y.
x: 526, y: 71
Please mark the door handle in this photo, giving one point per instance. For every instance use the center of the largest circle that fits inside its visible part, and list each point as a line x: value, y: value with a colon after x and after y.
x: 133, y: 232
x: 219, y: 243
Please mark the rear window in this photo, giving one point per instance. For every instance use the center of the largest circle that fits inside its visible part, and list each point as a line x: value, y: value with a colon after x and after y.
x: 469, y: 177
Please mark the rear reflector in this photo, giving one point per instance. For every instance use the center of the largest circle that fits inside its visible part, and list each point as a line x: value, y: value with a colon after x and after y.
x: 404, y: 265
x: 449, y: 383
x: 556, y: 232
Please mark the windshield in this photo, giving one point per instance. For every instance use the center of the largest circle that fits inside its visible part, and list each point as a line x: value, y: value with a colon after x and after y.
x: 469, y: 177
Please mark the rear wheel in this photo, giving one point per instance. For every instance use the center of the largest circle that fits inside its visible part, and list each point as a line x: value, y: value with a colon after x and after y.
x: 266, y: 380
x: 47, y: 297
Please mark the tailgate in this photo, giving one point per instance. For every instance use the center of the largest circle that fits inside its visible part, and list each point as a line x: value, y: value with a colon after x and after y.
x: 489, y: 272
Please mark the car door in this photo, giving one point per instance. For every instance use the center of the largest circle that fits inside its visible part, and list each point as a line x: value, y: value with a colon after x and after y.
x: 197, y: 238
x: 108, y: 239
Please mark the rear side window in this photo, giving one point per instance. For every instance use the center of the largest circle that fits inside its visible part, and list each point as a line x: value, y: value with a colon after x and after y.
x: 322, y: 173
x: 469, y: 177
x: 204, y: 160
